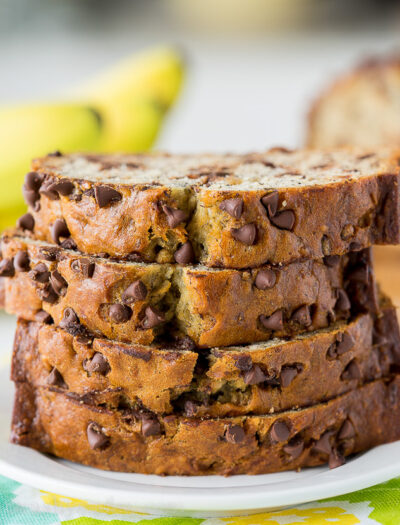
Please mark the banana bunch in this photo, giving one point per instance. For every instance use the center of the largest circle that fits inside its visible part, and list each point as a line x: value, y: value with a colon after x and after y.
x: 119, y: 110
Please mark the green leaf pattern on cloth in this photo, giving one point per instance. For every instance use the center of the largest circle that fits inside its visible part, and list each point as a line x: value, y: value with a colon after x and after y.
x: 22, y: 505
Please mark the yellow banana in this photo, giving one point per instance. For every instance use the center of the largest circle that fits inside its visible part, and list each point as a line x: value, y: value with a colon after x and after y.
x: 128, y: 126
x: 34, y: 130
x: 156, y: 75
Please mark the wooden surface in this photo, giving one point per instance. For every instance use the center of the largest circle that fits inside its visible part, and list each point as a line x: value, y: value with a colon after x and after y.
x: 387, y: 270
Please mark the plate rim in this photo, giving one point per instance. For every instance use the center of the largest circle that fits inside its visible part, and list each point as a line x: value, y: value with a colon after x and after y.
x: 196, y: 499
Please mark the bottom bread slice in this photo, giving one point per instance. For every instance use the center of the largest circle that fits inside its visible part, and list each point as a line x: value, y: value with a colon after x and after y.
x: 127, y: 441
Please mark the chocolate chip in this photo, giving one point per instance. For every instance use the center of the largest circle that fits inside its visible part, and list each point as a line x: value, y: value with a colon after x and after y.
x: 182, y: 343
x: 288, y: 373
x: 56, y: 379
x: 270, y: 202
x: 150, y: 427
x: 139, y: 353
x: 332, y: 260
x: 174, y: 216
x: 96, y: 438
x: 331, y: 352
x: 360, y: 275
x: 47, y: 294
x: 243, y: 362
x: 43, y: 317
x: 295, y: 447
x: 351, y: 372
x: 343, y: 302
x: 69, y: 320
x: 40, y: 273
x: 49, y: 254
x: 63, y: 187
x: 302, y: 316
x: 336, y: 459
x: 347, y: 430
x: 345, y: 344
x: 26, y: 222
x: 355, y: 246
x: 119, y: 313
x: 84, y: 266
x: 323, y: 445
x: 284, y: 220
x: 105, y: 195
x: 234, y: 434
x: 136, y: 291
x: 33, y: 181
x: 190, y: 408
x: 246, y: 234
x: 273, y: 322
x: 45, y: 190
x: 55, y: 153
x: 7, y: 268
x: 265, y: 279
x: 152, y: 318
x: 58, y: 283
x: 21, y: 261
x: 184, y: 254
x: 254, y: 376
x: 233, y: 206
x: 98, y: 364
x: 58, y: 230
x: 84, y: 340
x: 279, y: 431
x: 30, y: 196
x: 69, y: 244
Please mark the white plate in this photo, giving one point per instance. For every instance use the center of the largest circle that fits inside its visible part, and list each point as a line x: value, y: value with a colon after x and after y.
x: 209, y: 496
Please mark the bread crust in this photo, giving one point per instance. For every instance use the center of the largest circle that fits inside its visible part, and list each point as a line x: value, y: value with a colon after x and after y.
x: 256, y: 379
x: 325, y: 218
x: 194, y: 301
x: 172, y: 445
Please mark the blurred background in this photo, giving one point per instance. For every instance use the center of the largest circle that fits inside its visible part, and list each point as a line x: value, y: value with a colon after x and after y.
x: 252, y: 66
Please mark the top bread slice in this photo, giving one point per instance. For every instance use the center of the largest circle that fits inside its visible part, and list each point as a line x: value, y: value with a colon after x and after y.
x: 232, y: 211
x: 361, y: 108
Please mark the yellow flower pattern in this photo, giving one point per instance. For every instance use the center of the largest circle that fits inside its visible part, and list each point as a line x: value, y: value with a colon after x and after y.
x: 313, y: 516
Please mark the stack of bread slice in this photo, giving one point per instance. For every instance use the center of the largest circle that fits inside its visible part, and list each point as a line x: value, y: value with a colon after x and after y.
x: 204, y: 314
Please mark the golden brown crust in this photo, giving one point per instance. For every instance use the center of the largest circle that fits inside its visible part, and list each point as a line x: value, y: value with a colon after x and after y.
x: 128, y: 442
x: 255, y: 379
x: 197, y: 301
x: 308, y: 221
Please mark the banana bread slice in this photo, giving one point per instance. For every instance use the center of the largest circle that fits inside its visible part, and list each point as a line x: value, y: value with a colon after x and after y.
x: 255, y: 379
x: 123, y: 440
x: 360, y: 108
x: 137, y: 302
x: 233, y: 211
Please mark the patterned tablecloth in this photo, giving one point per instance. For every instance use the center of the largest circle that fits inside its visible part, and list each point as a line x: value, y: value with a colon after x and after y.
x: 22, y: 505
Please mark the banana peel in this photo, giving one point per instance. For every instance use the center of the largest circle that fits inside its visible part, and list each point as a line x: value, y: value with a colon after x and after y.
x: 121, y: 109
